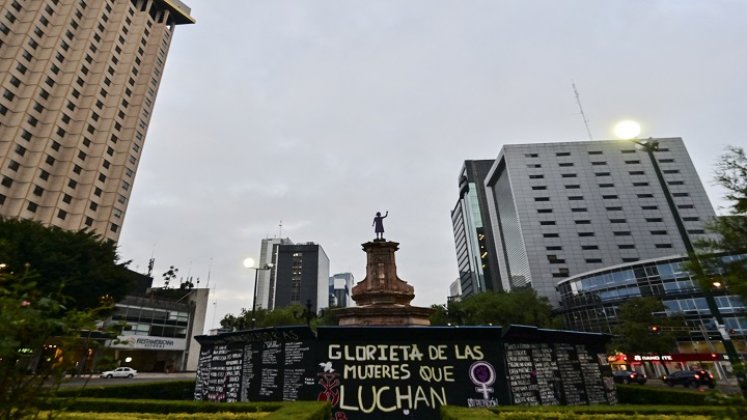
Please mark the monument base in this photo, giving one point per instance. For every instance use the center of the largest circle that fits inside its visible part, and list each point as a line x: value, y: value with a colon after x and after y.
x: 384, y: 315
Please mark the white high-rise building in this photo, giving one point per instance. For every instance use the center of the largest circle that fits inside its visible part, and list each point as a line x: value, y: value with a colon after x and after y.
x: 561, y: 209
x: 268, y: 256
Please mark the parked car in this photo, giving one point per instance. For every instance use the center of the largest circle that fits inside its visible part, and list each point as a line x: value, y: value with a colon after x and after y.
x: 628, y: 376
x: 689, y: 378
x: 120, y: 372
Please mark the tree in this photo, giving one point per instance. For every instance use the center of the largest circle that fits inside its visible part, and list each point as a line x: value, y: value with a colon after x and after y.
x: 730, y: 230
x: 77, y: 265
x: 264, y: 319
x: 634, y: 329
x: 521, y: 306
x: 38, y: 334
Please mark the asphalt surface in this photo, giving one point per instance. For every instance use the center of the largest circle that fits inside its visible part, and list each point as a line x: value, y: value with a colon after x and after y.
x: 141, y: 378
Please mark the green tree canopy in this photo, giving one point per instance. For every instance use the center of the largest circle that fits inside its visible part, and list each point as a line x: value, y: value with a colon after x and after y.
x: 521, y: 306
x: 78, y: 265
x: 730, y: 230
x: 634, y: 319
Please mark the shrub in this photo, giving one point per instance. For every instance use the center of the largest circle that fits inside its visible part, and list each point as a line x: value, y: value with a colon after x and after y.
x: 172, y: 390
x: 632, y: 394
x: 305, y: 410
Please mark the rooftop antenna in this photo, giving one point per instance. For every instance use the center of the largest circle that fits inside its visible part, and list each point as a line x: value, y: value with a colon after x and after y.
x: 581, y: 109
x: 210, y: 268
x: 280, y: 229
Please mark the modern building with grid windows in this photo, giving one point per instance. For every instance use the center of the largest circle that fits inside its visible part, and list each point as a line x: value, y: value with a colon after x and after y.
x: 473, y: 235
x: 561, y: 209
x: 78, y: 82
x: 301, y: 275
x: 590, y: 301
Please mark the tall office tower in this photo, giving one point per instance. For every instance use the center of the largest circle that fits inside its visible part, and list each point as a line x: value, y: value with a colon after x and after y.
x: 78, y: 80
x: 268, y: 258
x: 340, y: 289
x: 561, y: 209
x: 302, y: 274
x: 473, y: 236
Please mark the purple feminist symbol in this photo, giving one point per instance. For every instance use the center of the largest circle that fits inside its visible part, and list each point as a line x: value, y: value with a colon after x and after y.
x: 482, y: 374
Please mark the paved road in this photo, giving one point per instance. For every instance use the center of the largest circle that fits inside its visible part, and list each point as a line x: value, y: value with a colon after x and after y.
x: 140, y: 379
x: 725, y: 387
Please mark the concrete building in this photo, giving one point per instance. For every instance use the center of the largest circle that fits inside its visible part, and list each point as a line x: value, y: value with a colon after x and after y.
x: 265, y: 278
x: 455, y: 291
x: 340, y: 289
x: 158, y: 326
x: 473, y: 235
x: 302, y: 273
x: 562, y: 209
x: 78, y: 82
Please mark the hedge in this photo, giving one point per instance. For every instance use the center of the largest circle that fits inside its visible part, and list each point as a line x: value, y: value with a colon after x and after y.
x: 634, y: 394
x: 306, y: 410
x: 166, y: 390
x: 581, y: 412
x: 152, y: 416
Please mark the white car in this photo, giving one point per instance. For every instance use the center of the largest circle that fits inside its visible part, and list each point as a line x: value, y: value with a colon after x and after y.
x: 121, y: 372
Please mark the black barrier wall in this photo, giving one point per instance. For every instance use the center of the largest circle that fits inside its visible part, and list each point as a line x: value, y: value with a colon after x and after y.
x: 408, y: 372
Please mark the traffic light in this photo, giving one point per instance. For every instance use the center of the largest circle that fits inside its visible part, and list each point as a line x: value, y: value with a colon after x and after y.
x: 654, y: 329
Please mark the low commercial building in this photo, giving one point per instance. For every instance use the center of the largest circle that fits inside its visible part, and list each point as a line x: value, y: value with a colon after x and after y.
x: 157, y: 329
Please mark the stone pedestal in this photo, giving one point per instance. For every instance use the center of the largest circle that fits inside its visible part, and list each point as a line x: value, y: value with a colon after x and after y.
x: 382, y: 297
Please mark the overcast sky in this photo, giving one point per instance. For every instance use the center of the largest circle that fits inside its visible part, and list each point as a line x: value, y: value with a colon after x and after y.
x: 320, y: 113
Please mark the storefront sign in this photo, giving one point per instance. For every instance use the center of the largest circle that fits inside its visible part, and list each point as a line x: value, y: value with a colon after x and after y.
x: 147, y: 342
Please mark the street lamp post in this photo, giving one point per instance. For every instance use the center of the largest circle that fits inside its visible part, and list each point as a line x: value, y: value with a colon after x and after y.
x: 249, y: 263
x: 650, y: 146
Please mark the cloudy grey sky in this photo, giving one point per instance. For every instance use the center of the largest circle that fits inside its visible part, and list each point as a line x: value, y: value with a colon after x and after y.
x: 320, y: 113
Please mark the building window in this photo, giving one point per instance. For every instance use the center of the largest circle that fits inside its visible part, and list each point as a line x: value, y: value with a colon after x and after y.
x: 696, y: 232
x: 536, y: 176
x: 658, y: 232
x: 660, y: 246
x: 114, y: 227
x: 613, y: 208
x: 44, y: 175
x: 88, y: 221
x: 585, y: 234
x: 32, y: 207
x: 680, y: 194
x: 568, y: 175
x: 562, y: 153
x: 609, y: 197
x: 618, y: 221
x: 606, y: 185
x: 649, y: 207
x: 541, y: 198
x: 539, y: 187
x: 630, y: 259
x: 666, y: 160
x: 685, y: 206
x: 632, y: 162
x: 93, y: 206
x: 550, y: 235
x: 7, y: 182
x: 640, y: 184
x: 61, y: 214
x: 38, y: 191
x: 589, y: 247
x: 645, y: 195
x: 565, y: 164
x: 626, y: 246
x: 636, y: 173
x: 676, y: 182
x: 579, y: 209
x: 544, y: 210
x: 572, y: 187
x: 554, y: 248
x: 593, y: 260
x: 691, y: 219
x: 621, y: 233
x: 67, y: 198
x: 72, y: 183
x: 599, y: 163
x: 13, y: 165
x: 628, y: 151
x: 547, y: 223
x: 653, y: 219
x: 575, y: 197
x: 602, y: 174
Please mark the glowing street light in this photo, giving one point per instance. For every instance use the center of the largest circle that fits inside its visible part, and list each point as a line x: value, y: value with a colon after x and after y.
x: 627, y: 129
